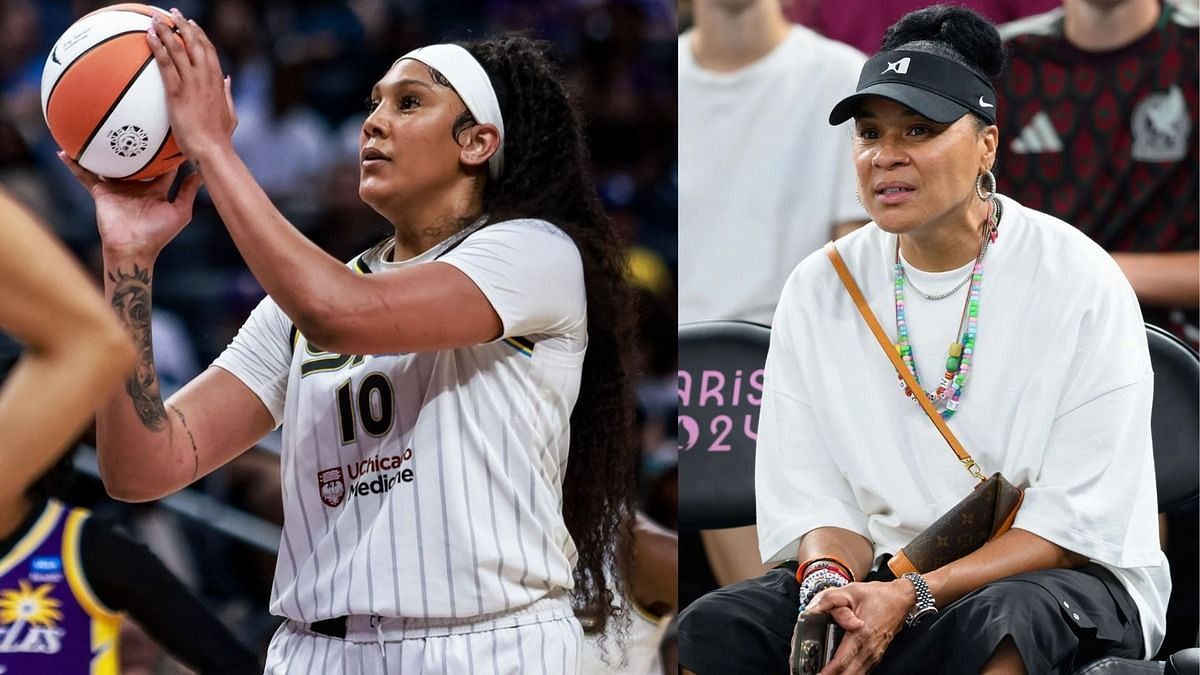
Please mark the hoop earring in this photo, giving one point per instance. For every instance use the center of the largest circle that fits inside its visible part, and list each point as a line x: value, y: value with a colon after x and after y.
x: 991, y: 179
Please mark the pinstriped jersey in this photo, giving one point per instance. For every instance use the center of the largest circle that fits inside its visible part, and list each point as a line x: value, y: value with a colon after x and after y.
x: 50, y: 620
x: 429, y: 484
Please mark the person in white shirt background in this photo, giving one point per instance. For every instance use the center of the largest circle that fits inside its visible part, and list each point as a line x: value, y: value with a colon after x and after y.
x: 755, y: 194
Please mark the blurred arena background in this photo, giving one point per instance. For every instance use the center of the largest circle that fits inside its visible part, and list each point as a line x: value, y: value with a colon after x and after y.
x: 301, y: 70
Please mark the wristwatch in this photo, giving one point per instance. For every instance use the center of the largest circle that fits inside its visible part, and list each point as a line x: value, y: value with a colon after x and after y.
x: 925, y: 604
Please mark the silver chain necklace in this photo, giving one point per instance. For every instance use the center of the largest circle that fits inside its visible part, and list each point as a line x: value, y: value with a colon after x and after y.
x: 993, y: 221
x: 940, y: 296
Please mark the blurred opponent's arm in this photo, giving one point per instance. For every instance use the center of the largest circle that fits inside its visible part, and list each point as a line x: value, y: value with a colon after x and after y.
x: 74, y: 350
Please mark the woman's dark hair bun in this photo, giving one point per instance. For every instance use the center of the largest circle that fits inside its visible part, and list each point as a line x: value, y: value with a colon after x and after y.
x: 974, y: 39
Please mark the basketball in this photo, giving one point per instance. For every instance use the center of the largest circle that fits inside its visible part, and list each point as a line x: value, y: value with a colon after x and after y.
x: 103, y: 97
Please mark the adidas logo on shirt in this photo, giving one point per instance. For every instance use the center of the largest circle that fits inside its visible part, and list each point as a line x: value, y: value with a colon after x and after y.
x: 1037, y: 137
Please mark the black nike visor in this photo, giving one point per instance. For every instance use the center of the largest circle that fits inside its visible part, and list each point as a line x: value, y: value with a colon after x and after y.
x: 934, y: 86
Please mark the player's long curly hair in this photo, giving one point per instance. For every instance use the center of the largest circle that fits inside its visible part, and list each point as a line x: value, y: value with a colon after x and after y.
x: 546, y: 176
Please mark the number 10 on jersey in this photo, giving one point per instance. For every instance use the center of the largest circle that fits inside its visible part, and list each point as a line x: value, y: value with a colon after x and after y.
x: 374, y: 403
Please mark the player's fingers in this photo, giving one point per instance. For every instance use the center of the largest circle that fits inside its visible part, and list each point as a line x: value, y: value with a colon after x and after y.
x: 187, y: 192
x: 173, y: 43
x: 188, y: 34
x: 162, y: 182
x: 85, y: 177
x: 166, y: 63
x: 229, y: 101
x: 201, y: 38
x: 209, y: 51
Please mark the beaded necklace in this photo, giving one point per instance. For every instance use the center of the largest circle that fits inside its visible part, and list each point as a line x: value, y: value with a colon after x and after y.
x: 958, y: 356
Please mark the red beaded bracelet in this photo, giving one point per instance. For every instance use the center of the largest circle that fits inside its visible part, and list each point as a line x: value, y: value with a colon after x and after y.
x: 837, y: 565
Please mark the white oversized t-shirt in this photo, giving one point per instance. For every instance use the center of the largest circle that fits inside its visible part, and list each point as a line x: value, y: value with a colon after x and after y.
x: 762, y: 176
x: 1058, y: 400
x: 429, y: 484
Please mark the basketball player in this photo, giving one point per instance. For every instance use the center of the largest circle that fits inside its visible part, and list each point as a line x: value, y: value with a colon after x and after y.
x: 69, y: 583
x: 74, y: 355
x: 431, y: 391
x: 74, y: 351
x: 65, y: 580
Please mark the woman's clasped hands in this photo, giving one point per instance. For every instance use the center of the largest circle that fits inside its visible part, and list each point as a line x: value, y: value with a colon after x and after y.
x: 871, y: 613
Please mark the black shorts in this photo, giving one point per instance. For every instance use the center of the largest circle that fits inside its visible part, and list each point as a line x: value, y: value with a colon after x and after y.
x: 1059, y: 619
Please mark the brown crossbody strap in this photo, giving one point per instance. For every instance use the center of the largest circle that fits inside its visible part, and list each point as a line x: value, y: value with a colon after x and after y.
x: 888, y: 348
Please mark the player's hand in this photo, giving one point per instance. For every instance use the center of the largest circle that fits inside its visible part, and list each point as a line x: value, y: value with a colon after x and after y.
x: 198, y: 96
x: 134, y: 216
x: 872, y: 613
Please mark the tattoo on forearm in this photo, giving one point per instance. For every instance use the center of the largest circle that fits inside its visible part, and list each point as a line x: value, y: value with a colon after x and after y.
x: 131, y: 300
x: 195, y: 450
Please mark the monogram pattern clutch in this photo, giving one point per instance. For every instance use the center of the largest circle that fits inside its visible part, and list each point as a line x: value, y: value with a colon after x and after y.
x: 983, y: 515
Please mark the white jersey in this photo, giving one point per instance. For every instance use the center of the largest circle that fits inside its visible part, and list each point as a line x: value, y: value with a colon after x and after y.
x: 763, y: 178
x: 429, y: 484
x: 1058, y: 401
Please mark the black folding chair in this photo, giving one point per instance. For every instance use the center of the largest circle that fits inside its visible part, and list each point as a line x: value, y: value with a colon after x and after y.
x: 720, y: 371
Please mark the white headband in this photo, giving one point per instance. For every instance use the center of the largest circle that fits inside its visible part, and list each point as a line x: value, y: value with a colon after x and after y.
x: 472, y: 84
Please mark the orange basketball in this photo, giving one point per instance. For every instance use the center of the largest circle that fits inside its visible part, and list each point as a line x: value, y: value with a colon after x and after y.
x: 103, y: 97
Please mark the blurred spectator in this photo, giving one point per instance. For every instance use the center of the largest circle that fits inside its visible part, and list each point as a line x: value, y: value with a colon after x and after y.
x: 764, y: 179
x: 861, y: 23
x: 18, y: 171
x: 21, y: 66
x: 285, y: 144
x: 1100, y: 107
x: 325, y: 36
x: 625, y: 83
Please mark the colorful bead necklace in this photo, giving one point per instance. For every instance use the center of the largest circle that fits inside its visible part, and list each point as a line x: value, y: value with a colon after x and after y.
x: 958, y: 356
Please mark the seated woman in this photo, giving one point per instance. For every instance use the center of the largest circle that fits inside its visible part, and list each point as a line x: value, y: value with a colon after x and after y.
x: 1047, y: 380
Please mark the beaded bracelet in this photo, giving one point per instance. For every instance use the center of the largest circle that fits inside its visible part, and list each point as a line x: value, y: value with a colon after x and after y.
x: 826, y: 561
x: 830, y: 566
x: 817, y: 581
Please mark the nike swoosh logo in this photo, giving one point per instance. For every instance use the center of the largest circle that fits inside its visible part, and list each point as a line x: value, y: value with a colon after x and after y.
x: 985, y: 104
x: 54, y: 56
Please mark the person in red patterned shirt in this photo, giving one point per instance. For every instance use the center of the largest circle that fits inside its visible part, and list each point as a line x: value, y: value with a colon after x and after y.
x: 861, y: 23
x: 1099, y: 104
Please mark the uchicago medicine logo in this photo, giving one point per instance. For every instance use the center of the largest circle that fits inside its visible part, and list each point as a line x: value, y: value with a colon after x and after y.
x: 371, y: 476
x: 333, y: 488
